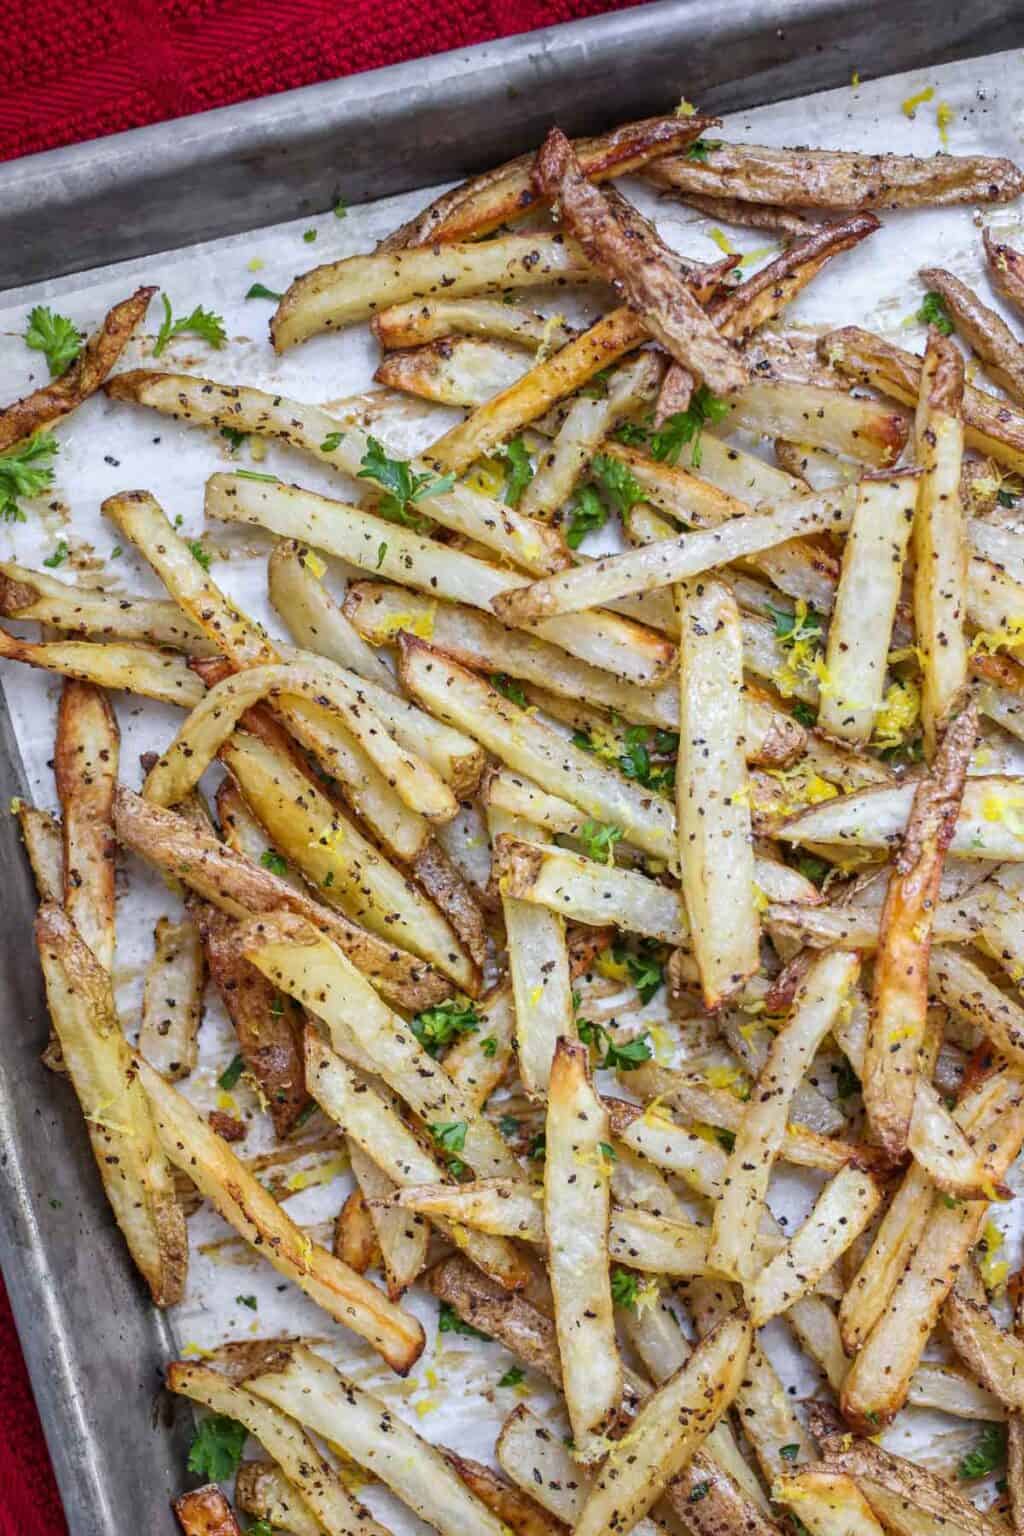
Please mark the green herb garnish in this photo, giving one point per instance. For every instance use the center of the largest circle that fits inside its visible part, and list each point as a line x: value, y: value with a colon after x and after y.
x: 54, y: 335
x: 512, y: 1377
x: 599, y: 840
x: 58, y: 557
x: 437, y: 1027
x: 274, y: 862
x: 261, y: 291
x: 25, y: 470
x: 687, y: 426
x: 449, y: 1321
x: 402, y: 489
x: 232, y: 1072
x: 201, y: 322
x: 217, y: 1448
x: 509, y: 688
x: 933, y: 311
x: 985, y: 1456
x: 518, y: 471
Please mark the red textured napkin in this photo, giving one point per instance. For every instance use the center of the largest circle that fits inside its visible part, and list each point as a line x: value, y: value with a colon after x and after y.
x: 84, y: 68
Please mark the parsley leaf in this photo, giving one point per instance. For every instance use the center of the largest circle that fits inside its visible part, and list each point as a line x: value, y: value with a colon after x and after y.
x: 56, y: 336
x: 537, y: 1151
x: 624, y: 1287
x: 217, y: 1447
x: 701, y: 148
x: 248, y: 1301
x: 814, y: 869
x: 789, y: 1452
x: 933, y: 311
x: 586, y: 514
x: 507, y: 686
x: 58, y: 557
x: 699, y: 1490
x: 687, y: 426
x: 726, y: 1139
x: 847, y: 1081
x: 645, y: 970
x: 254, y: 474
x: 402, y: 489
x: 200, y: 554
x: 449, y: 1321
x: 24, y: 471
x: 626, y: 1057
x: 608, y: 1152
x: 599, y: 840
x: 508, y: 1125
x: 332, y: 442
x: 512, y: 1377
x: 451, y: 1137
x: 518, y: 471
x: 274, y: 862
x: 232, y: 1072
x: 309, y: 235
x: 793, y: 627
x: 617, y: 480
x: 340, y: 209
x: 260, y: 1527
x: 201, y: 322
x: 803, y: 714
x: 234, y: 437
x: 489, y: 1046
x: 1006, y: 498
x: 985, y: 1456
x: 437, y: 1027
x: 261, y: 291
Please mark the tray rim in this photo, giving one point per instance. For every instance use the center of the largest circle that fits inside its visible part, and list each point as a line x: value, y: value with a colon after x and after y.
x: 101, y: 1491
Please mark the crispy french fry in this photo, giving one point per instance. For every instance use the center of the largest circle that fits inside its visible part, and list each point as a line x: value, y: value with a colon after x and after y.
x: 263, y: 1491
x: 519, y: 1512
x: 996, y: 1358
x: 983, y: 329
x: 829, y: 1504
x: 320, y: 1491
x: 1005, y: 269
x: 304, y: 1385
x: 43, y: 837
x: 403, y: 1239
x: 877, y: 818
x: 86, y: 374
x: 587, y: 891
x: 415, y: 323
x: 860, y: 630
x: 240, y: 888
x: 343, y: 292
x: 840, y: 1214
x: 85, y: 764
x: 256, y: 1216
x: 716, y: 852
x: 355, y: 1239
x: 172, y: 998
x: 620, y: 647
x: 955, y: 980
x: 886, y: 1478
x: 499, y: 1206
x: 27, y: 594
x: 134, y: 1169
x: 510, y: 1318
x: 760, y: 1135
x: 864, y: 430
x: 533, y: 1455
x: 461, y: 370
x: 206, y: 1512
x: 833, y: 178
x: 949, y: 1389
x: 576, y: 1207
x: 478, y: 1062
x: 145, y: 669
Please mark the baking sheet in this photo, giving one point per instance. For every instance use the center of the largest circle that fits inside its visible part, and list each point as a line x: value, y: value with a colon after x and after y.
x: 107, y: 447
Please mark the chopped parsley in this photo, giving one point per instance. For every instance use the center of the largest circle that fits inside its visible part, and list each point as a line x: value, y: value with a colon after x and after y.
x: 1006, y: 498
x: 988, y: 1453
x: 261, y: 291
x: 726, y: 1139
x: 636, y: 753
x: 248, y: 1301
x: 451, y: 1138
x: 54, y: 335
x: 537, y: 1151
x: 618, y: 482
x: 701, y: 148
x: 340, y: 209
x: 201, y: 322
x: 644, y: 966
x: 402, y: 489
x: 260, y: 1527
x: 624, y: 1287
x: 599, y: 840
x: 25, y: 470
x: 217, y: 1447
x: 437, y: 1027
x: 933, y: 311
x: 309, y: 235
x: 382, y: 550
x: 699, y: 1490
x: 623, y: 1058
x: 332, y: 442
x: 508, y: 1125
x: 509, y: 688
x: 58, y: 557
x: 789, y: 1452
x: 847, y: 1081
x: 687, y: 426
x: 234, y: 437
x: 512, y: 1377
x: 489, y: 1047
x: 803, y: 714
x: 254, y: 474
x: 199, y: 554
x: 586, y: 514
x: 518, y: 471
x: 791, y: 628
x: 274, y: 862
x: 232, y: 1072
x: 608, y: 1152
x: 812, y: 868
x: 449, y: 1321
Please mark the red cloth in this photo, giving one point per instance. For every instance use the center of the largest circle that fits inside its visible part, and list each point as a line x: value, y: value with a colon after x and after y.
x: 87, y: 69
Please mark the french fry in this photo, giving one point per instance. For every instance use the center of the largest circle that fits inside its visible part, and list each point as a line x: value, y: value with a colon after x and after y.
x: 240, y: 888
x: 86, y: 374
x: 403, y: 1239
x: 172, y: 998
x: 134, y: 1170
x: 860, y: 630
x: 1005, y: 269
x: 416, y: 323
x: 320, y: 1491
x: 263, y: 1491
x: 949, y: 1389
x: 616, y: 645
x: 576, y: 1207
x: 900, y: 997
x: 519, y: 1512
x: 510, y: 1318
x: 625, y: 249
x: 760, y: 1135
x: 343, y: 292
x: 661, y: 1246
x: 355, y: 1239
x: 864, y: 430
x: 885, y: 1478
x: 43, y: 837
x: 955, y: 980
x: 498, y: 1206
x: 85, y: 765
x: 27, y: 594
x: 996, y: 1358
x: 716, y: 853
x: 992, y: 427
x: 145, y: 669
x: 587, y: 891
x: 290, y: 952
x: 257, y: 1217
x: 670, y: 1425
x: 304, y: 1385
x: 983, y: 329
x: 206, y: 1512
x: 669, y: 561
x: 365, y: 1116
x: 460, y: 698
x: 461, y: 370
x: 733, y: 210
x: 478, y: 1062
x: 500, y: 195
x: 877, y: 818
x: 676, y: 1148
x: 833, y: 178
x: 829, y: 1504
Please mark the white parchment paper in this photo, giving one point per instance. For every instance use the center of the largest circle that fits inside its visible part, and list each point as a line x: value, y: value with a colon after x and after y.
x: 106, y: 446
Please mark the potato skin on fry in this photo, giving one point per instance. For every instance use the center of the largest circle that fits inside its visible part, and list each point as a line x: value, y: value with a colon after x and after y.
x: 206, y: 1512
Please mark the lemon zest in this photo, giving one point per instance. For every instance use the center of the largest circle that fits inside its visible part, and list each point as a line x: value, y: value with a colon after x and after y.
x: 314, y: 565
x: 993, y: 1270
x: 255, y: 264
x: 910, y: 105
x: 662, y: 1042
x: 536, y: 993
x: 855, y: 79
x: 685, y: 108
x: 487, y: 476
x: 428, y: 1405
x: 897, y: 714
x: 944, y: 115
x: 549, y: 344
x: 419, y: 624
x: 722, y: 240
x: 613, y: 970
x: 1008, y: 637
x: 193, y: 1351
x: 227, y: 1102
x: 308, y: 1178
x: 730, y: 1078
x: 647, y: 1295
x: 1005, y: 808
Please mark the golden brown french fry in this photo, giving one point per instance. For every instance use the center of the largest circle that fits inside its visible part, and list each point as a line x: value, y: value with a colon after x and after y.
x: 145, y: 669
x: 304, y: 1385
x: 965, y: 988
x: 263, y: 1491
x: 759, y: 1139
x: 534, y: 1456
x: 43, y: 837
x: 900, y: 998
x: 670, y: 1425
x: 355, y: 1239
x: 586, y: 890
x: 239, y: 887
x: 626, y: 249
x: 834, y: 178
x: 415, y: 323
x: 860, y: 629
x: 135, y: 1172
x: 477, y: 206
x: 1005, y: 269
x: 85, y: 765
x: 206, y: 1512
x: 461, y: 370
x: 86, y: 374
x: 172, y: 998
x: 503, y: 1498
x: 257, y: 1217
x: 733, y: 210
x: 829, y: 1504
x: 887, y: 1480
x: 864, y: 430
x: 576, y: 1206
x: 403, y: 1240
x: 716, y: 853
x: 510, y: 1318
x: 996, y: 1358
x: 985, y: 331
x: 27, y: 594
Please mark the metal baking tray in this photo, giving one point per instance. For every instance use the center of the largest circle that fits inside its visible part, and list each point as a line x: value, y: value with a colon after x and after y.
x: 95, y: 1347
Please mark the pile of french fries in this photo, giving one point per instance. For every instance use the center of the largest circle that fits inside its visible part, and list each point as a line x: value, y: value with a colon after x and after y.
x: 468, y: 819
